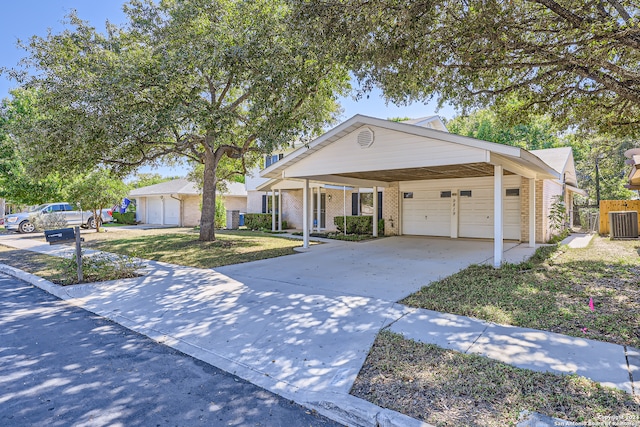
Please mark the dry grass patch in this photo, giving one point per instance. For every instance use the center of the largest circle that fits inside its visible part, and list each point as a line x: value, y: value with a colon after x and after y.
x: 447, y: 388
x: 182, y: 247
x: 551, y: 292
x: 32, y: 262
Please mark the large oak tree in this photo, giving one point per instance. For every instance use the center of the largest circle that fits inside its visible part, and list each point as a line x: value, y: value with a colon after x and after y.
x: 210, y: 80
x: 576, y: 59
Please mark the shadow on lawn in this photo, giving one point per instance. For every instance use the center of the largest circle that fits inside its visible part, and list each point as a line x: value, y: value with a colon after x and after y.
x: 545, y: 295
x: 187, y: 250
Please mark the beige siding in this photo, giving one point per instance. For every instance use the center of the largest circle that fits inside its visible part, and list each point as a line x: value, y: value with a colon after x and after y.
x: 390, y: 150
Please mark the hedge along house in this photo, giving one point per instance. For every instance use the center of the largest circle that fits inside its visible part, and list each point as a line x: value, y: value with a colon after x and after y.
x: 423, y: 181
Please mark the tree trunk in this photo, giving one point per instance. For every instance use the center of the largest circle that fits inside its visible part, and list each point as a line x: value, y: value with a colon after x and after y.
x: 208, y: 217
x: 97, y: 217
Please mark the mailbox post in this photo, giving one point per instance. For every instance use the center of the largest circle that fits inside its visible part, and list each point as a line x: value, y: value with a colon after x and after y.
x: 65, y: 235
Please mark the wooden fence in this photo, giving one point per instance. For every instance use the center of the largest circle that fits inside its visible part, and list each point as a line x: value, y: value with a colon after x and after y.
x: 607, y: 206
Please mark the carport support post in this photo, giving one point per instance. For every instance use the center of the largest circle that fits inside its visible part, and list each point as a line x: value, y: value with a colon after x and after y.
x: 497, y: 216
x: 375, y: 211
x: 273, y: 209
x: 532, y: 213
x: 305, y: 214
x: 78, y: 254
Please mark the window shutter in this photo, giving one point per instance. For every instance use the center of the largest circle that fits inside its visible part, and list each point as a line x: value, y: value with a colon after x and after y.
x: 379, y: 205
x: 354, y: 204
x: 264, y: 203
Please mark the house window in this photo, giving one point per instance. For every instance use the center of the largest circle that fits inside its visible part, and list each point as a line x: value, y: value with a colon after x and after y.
x: 266, y: 203
x: 465, y: 193
x: 271, y: 159
x: 513, y: 192
x: 445, y: 194
x: 362, y: 204
x: 407, y: 195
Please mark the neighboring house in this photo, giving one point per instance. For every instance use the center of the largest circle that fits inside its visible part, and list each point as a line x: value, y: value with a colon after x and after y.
x: 633, y: 159
x: 421, y: 180
x: 177, y: 202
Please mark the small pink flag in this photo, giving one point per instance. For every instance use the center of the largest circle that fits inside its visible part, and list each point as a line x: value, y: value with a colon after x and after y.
x: 591, y: 304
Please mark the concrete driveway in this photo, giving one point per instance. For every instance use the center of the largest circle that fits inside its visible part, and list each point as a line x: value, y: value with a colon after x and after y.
x: 388, y: 269
x: 298, y: 325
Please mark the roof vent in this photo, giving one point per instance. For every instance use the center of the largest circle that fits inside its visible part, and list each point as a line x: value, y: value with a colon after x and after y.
x: 365, y: 138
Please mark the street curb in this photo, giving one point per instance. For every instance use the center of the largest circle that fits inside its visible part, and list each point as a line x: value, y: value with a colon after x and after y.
x: 342, y: 408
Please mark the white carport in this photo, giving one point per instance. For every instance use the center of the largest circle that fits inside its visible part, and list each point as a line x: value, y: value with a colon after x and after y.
x: 375, y: 153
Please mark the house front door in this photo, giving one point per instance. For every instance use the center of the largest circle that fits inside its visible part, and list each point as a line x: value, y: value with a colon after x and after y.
x: 323, y: 209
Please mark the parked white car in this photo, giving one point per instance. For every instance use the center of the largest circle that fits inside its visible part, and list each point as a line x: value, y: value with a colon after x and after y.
x: 20, y: 221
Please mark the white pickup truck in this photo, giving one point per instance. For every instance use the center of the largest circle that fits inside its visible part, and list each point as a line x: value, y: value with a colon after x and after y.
x: 20, y: 221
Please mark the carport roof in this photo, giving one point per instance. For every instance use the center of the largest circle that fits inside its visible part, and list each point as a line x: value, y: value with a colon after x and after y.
x: 512, y: 158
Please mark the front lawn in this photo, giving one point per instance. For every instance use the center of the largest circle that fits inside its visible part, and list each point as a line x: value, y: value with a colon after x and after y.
x: 551, y: 292
x: 182, y: 247
x: 448, y: 388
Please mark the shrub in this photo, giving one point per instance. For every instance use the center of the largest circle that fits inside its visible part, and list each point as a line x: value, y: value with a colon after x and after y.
x: 48, y: 221
x: 98, y: 268
x: 358, y: 225
x: 221, y: 214
x: 128, y: 218
x: 258, y: 221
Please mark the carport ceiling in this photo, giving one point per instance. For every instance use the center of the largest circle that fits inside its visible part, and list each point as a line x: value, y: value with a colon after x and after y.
x: 470, y: 170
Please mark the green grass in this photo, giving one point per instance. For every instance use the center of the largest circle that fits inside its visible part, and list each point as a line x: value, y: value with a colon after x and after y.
x: 183, y: 247
x: 448, y: 388
x: 551, y: 292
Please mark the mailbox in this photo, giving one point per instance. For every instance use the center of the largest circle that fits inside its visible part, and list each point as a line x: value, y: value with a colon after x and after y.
x: 61, y: 235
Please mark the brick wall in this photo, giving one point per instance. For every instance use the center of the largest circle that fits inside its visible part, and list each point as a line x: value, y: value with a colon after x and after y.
x: 191, y: 211
x: 254, y: 201
x: 551, y: 189
x: 235, y: 203
x: 391, y: 209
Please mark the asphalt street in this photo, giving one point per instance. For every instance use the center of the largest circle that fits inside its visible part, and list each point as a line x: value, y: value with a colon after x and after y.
x: 61, y: 365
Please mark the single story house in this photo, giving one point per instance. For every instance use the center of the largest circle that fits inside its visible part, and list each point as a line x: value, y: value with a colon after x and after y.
x: 422, y: 180
x: 178, y: 202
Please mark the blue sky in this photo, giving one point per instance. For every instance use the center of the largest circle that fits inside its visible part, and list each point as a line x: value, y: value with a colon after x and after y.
x: 25, y: 18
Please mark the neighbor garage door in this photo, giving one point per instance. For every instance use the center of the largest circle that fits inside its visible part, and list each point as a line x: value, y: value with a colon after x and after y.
x: 171, y: 211
x: 154, y: 210
x: 427, y: 207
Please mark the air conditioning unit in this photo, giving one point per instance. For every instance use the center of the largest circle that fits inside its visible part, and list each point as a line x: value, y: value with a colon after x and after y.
x: 623, y: 225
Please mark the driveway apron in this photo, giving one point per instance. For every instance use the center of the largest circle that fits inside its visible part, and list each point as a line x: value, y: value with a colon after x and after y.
x: 296, y: 325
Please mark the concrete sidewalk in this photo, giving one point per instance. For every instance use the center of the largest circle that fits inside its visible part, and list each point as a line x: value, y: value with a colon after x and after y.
x: 304, y: 334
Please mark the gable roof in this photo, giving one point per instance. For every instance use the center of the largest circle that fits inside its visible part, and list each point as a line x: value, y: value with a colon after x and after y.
x: 176, y: 186
x: 560, y: 159
x: 431, y: 122
x: 185, y: 187
x: 512, y: 155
